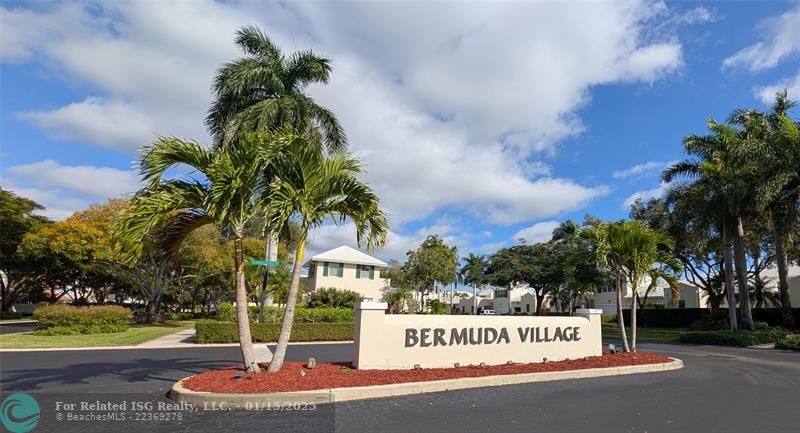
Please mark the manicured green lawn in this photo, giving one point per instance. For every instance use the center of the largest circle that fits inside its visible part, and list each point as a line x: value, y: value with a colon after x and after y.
x: 136, y: 334
x: 611, y: 330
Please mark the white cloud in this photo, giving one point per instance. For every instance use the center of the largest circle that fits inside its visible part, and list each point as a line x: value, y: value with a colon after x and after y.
x: 58, y: 205
x: 645, y: 195
x: 781, y: 40
x: 792, y: 85
x: 110, y: 124
x: 645, y: 168
x: 98, y: 182
x: 453, y: 115
x: 539, y: 232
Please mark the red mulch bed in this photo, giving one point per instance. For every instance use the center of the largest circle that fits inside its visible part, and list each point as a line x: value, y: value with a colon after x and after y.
x: 342, y: 375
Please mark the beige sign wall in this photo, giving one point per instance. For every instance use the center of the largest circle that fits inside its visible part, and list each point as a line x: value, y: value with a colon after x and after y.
x: 401, y: 341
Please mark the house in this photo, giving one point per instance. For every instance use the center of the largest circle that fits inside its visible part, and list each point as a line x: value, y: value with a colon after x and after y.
x: 517, y: 299
x: 606, y: 298
x: 348, y: 269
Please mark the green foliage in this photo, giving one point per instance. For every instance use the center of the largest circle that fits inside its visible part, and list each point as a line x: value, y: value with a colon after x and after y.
x: 212, y: 331
x: 608, y: 318
x: 715, y: 321
x: 436, y: 306
x: 226, y: 312
x: 537, y: 265
x: 789, y: 342
x: 433, y: 262
x: 67, y: 320
x: 333, y: 298
x: 732, y: 338
x: 8, y: 315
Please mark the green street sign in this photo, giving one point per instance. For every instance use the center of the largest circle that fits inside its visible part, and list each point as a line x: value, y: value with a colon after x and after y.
x: 255, y: 262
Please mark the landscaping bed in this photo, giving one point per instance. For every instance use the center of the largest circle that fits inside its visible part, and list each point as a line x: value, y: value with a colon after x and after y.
x: 342, y: 375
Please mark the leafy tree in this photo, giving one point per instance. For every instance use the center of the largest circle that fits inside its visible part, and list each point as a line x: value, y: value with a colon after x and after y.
x: 313, y: 188
x: 17, y: 218
x: 582, y: 276
x: 536, y: 265
x: 473, y: 273
x: 397, y: 298
x: 228, y: 192
x: 433, y: 262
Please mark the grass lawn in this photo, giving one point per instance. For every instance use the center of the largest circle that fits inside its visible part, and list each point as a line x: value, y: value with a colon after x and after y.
x: 644, y: 334
x: 136, y: 334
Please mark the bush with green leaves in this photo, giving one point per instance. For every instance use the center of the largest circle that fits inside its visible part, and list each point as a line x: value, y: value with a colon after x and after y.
x: 436, y: 306
x: 215, y: 331
x: 789, y: 342
x: 732, y: 338
x: 68, y: 320
x: 227, y: 313
x: 332, y: 297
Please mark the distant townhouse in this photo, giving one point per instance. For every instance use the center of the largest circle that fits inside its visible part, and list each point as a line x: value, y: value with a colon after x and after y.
x: 349, y: 269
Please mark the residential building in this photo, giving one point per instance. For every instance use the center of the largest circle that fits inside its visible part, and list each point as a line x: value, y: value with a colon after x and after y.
x: 519, y: 298
x: 606, y: 297
x: 348, y: 269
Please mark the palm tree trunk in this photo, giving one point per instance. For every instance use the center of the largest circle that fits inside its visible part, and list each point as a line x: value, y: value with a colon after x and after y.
x: 291, y: 302
x: 727, y: 257
x: 475, y: 299
x: 242, y: 319
x: 620, y: 317
x: 634, y: 307
x: 741, y: 276
x: 787, y: 318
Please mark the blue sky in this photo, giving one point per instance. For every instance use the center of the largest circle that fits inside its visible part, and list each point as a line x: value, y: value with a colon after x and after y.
x: 481, y: 122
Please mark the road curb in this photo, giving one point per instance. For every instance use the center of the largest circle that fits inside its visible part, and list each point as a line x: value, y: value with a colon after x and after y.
x: 247, y: 401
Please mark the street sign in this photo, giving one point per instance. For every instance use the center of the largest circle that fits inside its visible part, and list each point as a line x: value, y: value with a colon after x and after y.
x: 255, y: 262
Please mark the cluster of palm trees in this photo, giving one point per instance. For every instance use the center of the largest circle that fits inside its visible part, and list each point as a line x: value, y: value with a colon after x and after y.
x: 744, y: 173
x: 277, y: 156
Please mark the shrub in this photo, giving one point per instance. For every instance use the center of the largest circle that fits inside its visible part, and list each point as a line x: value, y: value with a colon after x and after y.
x: 789, y: 342
x: 215, y: 331
x: 608, y: 318
x: 226, y: 312
x: 301, y: 314
x: 436, y: 306
x: 718, y: 321
x: 333, y: 298
x: 731, y: 338
x: 7, y: 315
x: 68, y: 320
x: 761, y: 326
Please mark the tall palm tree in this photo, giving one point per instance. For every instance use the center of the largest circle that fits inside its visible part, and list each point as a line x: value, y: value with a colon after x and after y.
x: 265, y: 89
x: 728, y: 177
x: 631, y: 250
x: 472, y: 273
x: 314, y: 188
x: 228, y: 192
x: 775, y: 144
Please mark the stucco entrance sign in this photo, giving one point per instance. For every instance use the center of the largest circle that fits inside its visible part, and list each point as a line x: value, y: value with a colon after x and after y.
x: 401, y: 341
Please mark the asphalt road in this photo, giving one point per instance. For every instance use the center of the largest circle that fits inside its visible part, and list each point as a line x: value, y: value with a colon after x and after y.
x: 15, y: 328
x: 718, y: 390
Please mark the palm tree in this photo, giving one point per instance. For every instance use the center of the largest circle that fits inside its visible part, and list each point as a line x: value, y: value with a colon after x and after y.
x: 726, y: 177
x: 314, y: 188
x: 472, y: 273
x: 631, y: 250
x: 775, y: 144
x: 266, y: 90
x: 228, y: 193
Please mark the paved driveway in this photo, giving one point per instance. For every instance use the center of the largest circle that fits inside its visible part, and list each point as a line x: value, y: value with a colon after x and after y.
x: 719, y: 390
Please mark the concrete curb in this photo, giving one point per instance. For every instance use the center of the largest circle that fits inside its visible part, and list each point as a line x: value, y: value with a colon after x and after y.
x: 249, y: 401
x: 175, y: 346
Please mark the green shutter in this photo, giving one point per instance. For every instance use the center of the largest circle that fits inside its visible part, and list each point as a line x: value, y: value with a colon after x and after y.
x: 372, y: 272
x: 341, y: 269
x: 358, y: 271
x: 325, y: 269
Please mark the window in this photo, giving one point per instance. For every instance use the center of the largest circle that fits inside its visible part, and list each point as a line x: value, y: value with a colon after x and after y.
x: 332, y: 269
x: 501, y: 293
x: 365, y: 271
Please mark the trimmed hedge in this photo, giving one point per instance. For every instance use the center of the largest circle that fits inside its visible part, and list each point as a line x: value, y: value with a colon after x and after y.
x: 215, y: 331
x: 731, y: 338
x: 226, y: 312
x: 789, y: 342
x: 68, y: 320
x: 685, y: 317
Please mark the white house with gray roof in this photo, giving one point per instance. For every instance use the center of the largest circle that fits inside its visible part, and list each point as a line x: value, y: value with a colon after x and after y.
x: 347, y: 268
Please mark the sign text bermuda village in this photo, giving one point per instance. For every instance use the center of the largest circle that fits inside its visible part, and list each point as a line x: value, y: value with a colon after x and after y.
x: 427, y: 337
